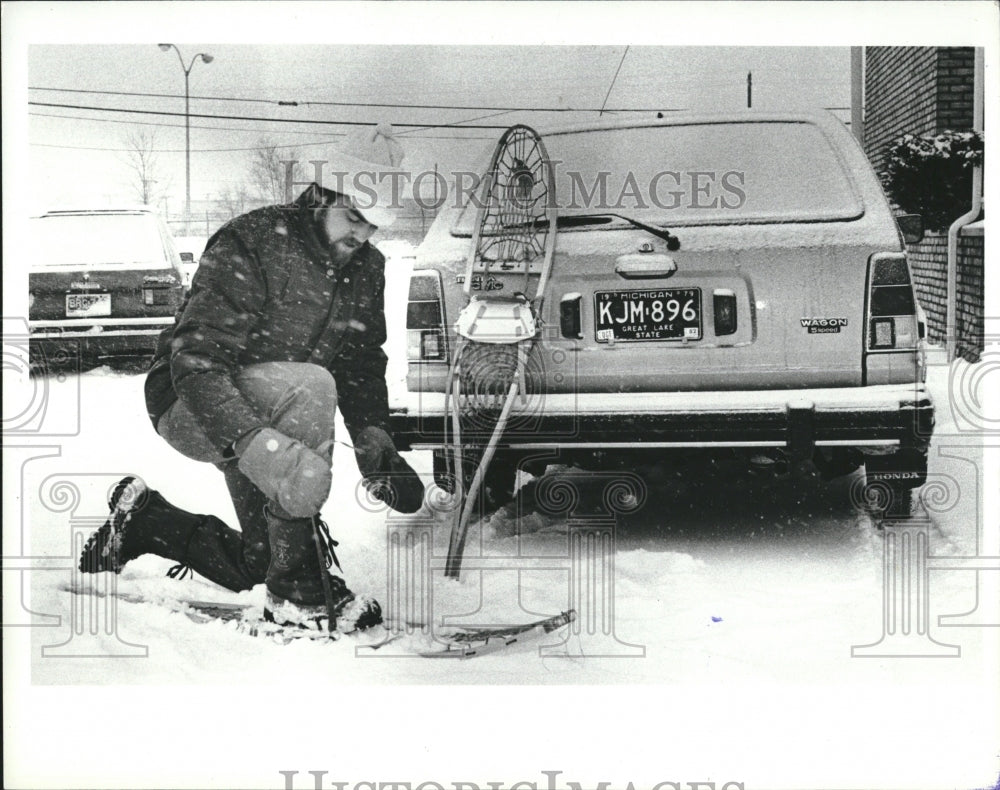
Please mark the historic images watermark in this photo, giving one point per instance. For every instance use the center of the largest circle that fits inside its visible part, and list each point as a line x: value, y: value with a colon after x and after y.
x: 318, y: 780
x: 41, y: 396
x: 42, y: 409
x: 589, y: 503
x: 604, y: 190
x: 909, y: 559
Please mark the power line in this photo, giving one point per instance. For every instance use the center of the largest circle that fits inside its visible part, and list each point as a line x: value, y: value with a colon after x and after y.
x: 401, y: 106
x: 257, y: 118
x: 613, y: 80
x: 467, y: 120
x: 173, y: 150
x: 174, y: 125
x: 235, y: 129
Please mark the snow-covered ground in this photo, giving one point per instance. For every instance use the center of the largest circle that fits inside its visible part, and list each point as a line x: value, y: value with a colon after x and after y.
x: 736, y: 605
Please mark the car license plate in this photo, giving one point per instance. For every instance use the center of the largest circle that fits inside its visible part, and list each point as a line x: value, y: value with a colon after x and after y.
x: 654, y: 314
x: 88, y: 305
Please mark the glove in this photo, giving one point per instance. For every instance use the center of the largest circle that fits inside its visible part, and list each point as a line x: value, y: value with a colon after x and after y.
x: 388, y: 477
x: 290, y: 474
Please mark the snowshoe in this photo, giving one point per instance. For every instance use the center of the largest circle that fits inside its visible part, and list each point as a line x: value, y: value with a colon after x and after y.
x: 351, y: 612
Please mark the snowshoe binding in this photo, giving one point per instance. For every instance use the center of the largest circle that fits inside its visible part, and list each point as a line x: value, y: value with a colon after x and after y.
x: 351, y: 612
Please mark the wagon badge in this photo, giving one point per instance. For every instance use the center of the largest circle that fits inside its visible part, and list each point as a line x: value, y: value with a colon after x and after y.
x: 823, y: 326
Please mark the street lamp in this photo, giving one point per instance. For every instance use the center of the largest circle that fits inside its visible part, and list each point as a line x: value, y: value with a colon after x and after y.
x: 187, y: 122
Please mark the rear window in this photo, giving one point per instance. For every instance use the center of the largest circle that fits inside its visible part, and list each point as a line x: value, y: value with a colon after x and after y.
x: 113, y: 240
x: 704, y: 173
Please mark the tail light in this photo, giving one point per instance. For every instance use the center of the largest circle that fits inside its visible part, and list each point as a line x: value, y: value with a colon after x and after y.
x: 894, y: 324
x: 156, y: 296
x: 425, y: 336
x: 892, y: 310
x: 570, y: 321
x: 724, y: 307
x: 158, y: 289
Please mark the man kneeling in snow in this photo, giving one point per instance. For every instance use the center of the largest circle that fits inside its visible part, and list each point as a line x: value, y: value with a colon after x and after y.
x: 284, y: 323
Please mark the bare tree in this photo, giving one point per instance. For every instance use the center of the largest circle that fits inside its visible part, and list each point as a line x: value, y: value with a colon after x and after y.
x: 233, y: 201
x: 269, y: 172
x: 142, y: 159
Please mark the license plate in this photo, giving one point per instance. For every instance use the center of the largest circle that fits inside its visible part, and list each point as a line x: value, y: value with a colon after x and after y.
x: 87, y: 305
x: 654, y: 314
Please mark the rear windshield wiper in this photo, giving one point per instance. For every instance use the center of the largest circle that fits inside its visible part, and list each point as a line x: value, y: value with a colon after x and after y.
x: 577, y: 220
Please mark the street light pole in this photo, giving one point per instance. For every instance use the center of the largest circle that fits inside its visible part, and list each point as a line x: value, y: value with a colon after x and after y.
x: 187, y: 122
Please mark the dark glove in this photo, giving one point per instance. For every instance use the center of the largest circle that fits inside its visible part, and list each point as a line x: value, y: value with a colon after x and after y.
x: 290, y: 474
x: 387, y: 476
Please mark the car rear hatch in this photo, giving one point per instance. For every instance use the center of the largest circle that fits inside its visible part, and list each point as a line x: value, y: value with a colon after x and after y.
x: 778, y: 219
x: 637, y: 317
x: 93, y: 270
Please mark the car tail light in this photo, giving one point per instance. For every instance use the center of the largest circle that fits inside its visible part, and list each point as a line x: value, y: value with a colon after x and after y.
x: 892, y: 310
x: 724, y: 307
x: 883, y: 333
x: 425, y: 335
x: 156, y: 296
x: 570, y: 322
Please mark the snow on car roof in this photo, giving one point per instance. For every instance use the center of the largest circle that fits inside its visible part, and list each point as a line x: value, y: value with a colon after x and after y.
x: 126, y: 209
x: 823, y: 118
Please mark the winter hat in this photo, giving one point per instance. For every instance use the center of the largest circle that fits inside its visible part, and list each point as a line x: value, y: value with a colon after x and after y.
x: 362, y: 166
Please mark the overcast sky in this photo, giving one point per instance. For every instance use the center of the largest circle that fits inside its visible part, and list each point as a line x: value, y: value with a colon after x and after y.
x: 565, y: 56
x: 573, y: 82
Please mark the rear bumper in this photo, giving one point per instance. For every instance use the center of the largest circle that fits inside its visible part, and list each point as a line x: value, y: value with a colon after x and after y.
x: 877, y: 417
x: 108, y: 337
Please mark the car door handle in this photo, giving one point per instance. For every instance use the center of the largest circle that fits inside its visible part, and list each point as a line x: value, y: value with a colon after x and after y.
x: 645, y: 266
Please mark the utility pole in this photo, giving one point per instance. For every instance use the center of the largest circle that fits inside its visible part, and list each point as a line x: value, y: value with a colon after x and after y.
x: 749, y: 89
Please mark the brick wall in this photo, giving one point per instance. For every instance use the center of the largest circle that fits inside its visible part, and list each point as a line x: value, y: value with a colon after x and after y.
x: 969, y: 314
x: 916, y: 90
x: 900, y: 96
x: 954, y: 88
x: 924, y: 90
x: 929, y: 264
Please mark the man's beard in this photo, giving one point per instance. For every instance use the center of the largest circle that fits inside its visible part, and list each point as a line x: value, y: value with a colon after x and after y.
x: 341, y: 251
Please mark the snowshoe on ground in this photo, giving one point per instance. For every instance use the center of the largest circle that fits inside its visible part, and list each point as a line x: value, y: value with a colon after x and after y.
x: 113, y: 545
x: 351, y: 612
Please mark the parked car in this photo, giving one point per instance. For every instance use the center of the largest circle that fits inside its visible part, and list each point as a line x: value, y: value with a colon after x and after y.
x: 103, y: 283
x: 784, y: 332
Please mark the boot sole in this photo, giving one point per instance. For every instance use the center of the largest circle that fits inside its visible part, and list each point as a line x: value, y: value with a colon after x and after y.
x: 117, y: 518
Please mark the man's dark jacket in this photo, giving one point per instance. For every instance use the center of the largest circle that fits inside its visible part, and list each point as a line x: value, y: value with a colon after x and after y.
x: 266, y: 290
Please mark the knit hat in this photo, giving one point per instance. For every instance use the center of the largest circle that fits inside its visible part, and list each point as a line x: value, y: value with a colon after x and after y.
x: 362, y: 166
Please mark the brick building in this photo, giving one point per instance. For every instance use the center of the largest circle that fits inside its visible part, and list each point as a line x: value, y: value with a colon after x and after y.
x: 924, y: 90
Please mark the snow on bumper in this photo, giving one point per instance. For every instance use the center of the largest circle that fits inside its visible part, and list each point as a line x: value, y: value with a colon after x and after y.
x: 876, y: 416
x: 58, y: 340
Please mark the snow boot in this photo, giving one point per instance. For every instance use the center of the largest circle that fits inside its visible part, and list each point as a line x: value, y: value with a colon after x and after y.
x: 143, y: 522
x: 107, y: 549
x: 295, y: 579
x: 351, y: 612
